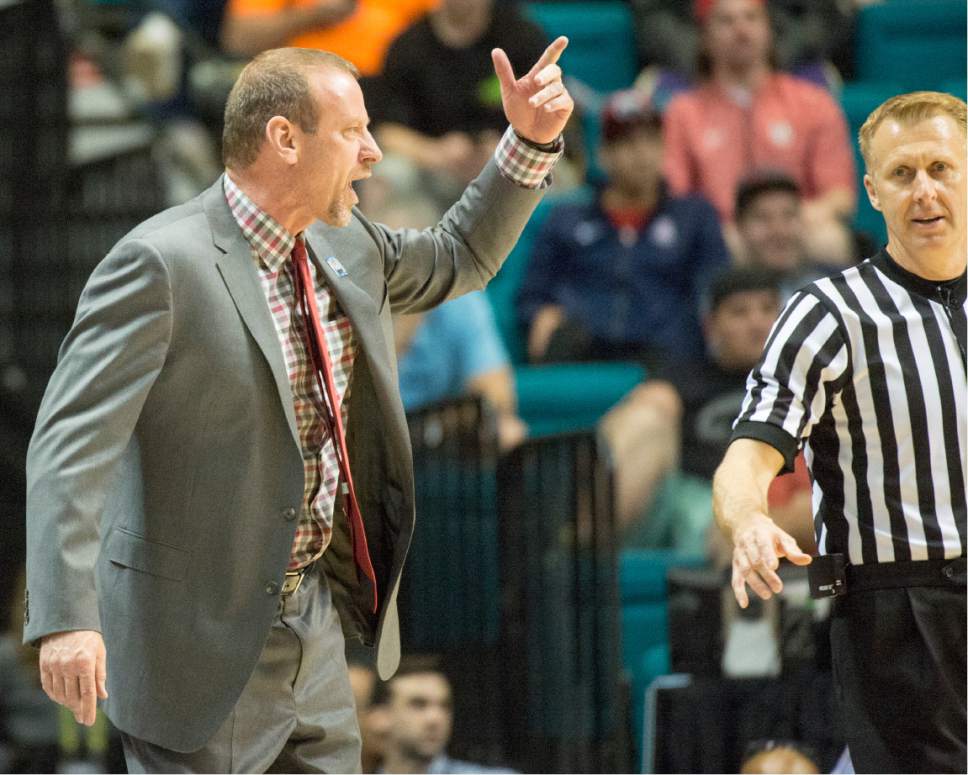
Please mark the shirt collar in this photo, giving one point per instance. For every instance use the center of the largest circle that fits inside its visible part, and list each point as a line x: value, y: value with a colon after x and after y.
x: 272, y: 242
x: 936, y: 290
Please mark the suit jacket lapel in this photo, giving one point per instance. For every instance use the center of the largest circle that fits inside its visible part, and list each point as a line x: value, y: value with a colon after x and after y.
x: 353, y: 300
x: 241, y: 278
x: 365, y: 318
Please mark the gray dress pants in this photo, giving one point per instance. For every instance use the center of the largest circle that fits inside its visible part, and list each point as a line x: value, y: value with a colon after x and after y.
x: 295, y: 714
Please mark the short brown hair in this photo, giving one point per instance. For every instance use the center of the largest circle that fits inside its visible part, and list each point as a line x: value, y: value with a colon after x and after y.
x: 410, y: 664
x: 910, y: 109
x: 273, y: 84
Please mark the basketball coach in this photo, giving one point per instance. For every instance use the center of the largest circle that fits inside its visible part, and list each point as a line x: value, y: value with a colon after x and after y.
x: 220, y: 478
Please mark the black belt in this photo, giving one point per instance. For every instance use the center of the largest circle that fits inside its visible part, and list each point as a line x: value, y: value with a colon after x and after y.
x: 914, y: 573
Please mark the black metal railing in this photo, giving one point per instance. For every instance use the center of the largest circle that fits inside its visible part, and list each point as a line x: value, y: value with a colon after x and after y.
x: 565, y: 700
x: 512, y: 580
x: 450, y: 597
x: 451, y: 591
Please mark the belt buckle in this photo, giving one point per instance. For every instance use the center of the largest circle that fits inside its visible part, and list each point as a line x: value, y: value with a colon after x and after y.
x: 292, y: 581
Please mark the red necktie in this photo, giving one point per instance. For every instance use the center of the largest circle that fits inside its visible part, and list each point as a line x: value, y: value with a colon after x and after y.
x: 323, y: 369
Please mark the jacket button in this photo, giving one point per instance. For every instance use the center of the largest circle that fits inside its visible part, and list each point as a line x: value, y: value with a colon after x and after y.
x: 948, y: 571
x: 289, y: 514
x: 272, y: 588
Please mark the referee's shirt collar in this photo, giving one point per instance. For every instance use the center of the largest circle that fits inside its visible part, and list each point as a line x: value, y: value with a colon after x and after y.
x: 930, y: 289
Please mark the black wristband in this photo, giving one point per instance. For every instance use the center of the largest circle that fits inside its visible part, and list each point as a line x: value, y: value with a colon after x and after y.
x: 553, y: 147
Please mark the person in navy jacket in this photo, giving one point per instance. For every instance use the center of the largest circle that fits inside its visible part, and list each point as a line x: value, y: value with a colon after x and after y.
x: 621, y: 277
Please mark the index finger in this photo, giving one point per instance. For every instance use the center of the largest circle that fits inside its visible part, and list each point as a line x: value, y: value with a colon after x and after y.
x: 550, y: 55
x: 88, y: 698
x: 739, y: 587
x: 503, y: 69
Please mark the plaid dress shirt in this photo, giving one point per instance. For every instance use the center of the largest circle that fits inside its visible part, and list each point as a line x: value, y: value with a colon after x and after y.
x: 520, y: 162
x: 272, y: 247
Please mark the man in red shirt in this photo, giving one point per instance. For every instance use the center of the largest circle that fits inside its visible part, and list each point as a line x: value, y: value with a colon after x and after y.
x: 747, y: 116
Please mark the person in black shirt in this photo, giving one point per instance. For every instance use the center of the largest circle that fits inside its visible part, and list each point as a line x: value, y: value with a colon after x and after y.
x: 437, y: 106
x: 669, y: 435
x: 772, y: 230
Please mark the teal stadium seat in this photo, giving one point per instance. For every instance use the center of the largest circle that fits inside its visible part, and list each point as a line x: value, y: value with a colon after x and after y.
x: 645, y: 621
x: 559, y: 398
x: 917, y: 44
x: 858, y: 100
x: 601, y: 49
x: 957, y: 86
x: 601, y: 54
x: 902, y: 46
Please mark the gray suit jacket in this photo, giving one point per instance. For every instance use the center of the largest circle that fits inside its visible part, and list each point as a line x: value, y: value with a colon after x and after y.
x: 165, y: 469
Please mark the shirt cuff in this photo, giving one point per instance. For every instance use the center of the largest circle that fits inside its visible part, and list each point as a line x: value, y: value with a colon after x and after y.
x: 523, y: 163
x: 773, y: 435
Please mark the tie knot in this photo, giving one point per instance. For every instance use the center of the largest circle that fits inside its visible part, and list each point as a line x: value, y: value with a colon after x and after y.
x: 299, y: 254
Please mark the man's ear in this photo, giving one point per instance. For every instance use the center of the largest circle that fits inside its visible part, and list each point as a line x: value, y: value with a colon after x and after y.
x: 872, y: 192
x: 281, y: 138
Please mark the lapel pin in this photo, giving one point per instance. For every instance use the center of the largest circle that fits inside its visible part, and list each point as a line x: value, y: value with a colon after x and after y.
x: 336, y: 266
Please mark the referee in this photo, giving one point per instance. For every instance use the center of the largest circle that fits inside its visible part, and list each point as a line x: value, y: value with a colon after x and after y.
x: 866, y: 370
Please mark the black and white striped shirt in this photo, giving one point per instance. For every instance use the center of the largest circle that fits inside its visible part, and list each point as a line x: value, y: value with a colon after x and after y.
x: 866, y: 369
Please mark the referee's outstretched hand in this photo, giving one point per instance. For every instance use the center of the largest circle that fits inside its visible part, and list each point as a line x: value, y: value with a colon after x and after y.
x: 758, y: 545
x: 537, y: 104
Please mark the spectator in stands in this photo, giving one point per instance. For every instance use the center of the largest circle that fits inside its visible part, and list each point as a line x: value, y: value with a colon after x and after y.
x: 455, y: 350
x: 766, y: 756
x: 746, y: 116
x: 621, y: 277
x: 810, y: 37
x: 357, y: 30
x: 438, y: 116
x: 769, y: 222
x: 421, y: 717
x: 158, y: 55
x: 668, y: 435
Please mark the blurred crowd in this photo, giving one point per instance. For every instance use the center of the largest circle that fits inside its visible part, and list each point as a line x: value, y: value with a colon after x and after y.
x: 687, y: 209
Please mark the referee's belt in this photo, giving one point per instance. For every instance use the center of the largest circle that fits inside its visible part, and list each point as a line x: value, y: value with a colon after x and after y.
x: 830, y: 575
x: 913, y: 573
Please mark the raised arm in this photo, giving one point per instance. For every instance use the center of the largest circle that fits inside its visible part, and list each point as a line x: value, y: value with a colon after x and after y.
x: 466, y: 249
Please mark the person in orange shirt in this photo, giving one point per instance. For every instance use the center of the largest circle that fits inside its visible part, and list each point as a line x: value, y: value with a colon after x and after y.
x: 358, y: 30
x: 746, y: 116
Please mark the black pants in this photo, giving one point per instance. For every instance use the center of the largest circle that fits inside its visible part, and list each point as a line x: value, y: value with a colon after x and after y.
x: 899, y: 669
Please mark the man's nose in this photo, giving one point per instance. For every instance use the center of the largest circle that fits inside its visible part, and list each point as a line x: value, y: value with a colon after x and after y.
x: 371, y: 152
x: 925, y: 187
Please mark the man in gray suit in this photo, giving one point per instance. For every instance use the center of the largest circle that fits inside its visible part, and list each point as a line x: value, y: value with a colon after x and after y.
x: 192, y: 557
